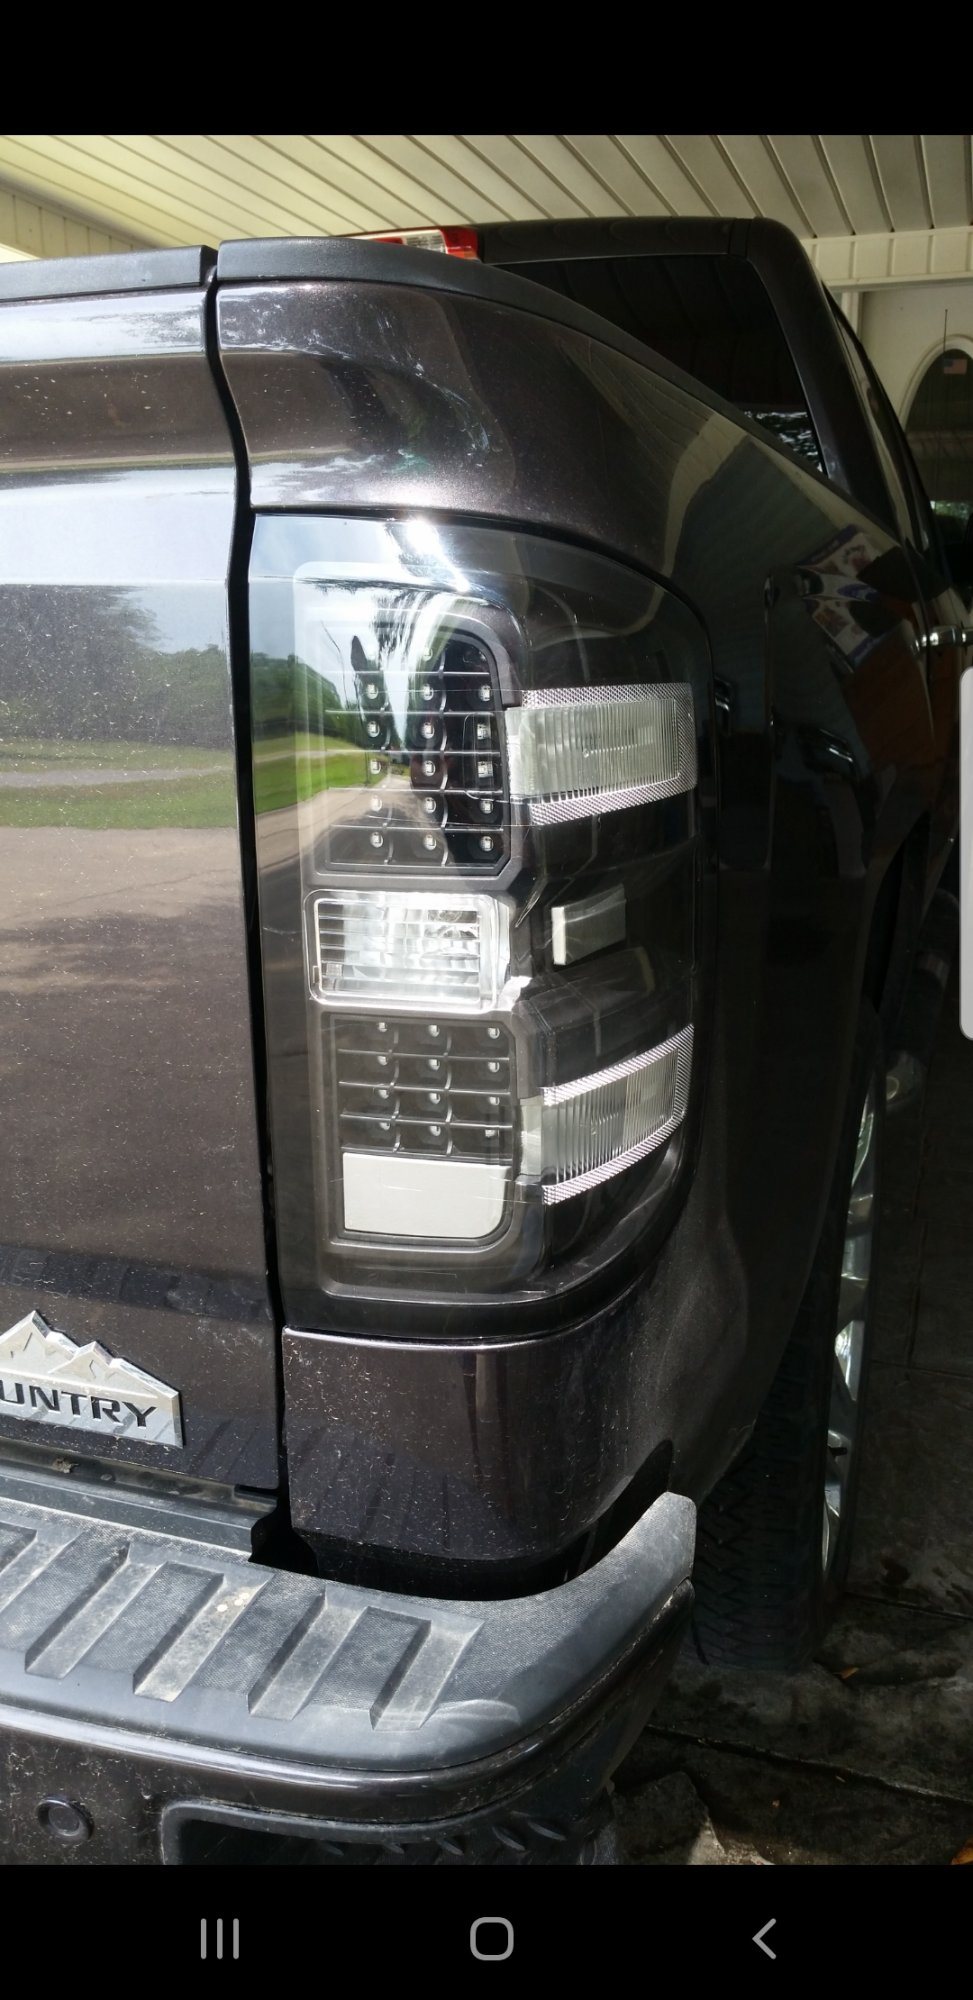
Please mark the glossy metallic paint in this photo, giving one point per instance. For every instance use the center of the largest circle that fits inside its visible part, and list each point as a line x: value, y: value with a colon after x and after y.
x: 130, y: 1186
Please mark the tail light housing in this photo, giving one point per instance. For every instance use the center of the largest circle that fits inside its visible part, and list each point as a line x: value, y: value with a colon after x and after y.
x: 476, y: 759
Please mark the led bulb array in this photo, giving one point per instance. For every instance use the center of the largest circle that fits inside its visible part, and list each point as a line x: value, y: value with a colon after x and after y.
x: 429, y: 792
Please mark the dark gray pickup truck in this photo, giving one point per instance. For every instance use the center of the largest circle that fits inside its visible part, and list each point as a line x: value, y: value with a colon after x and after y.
x: 478, y: 747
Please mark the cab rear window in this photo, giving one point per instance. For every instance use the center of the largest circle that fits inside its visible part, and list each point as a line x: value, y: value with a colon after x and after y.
x: 710, y: 315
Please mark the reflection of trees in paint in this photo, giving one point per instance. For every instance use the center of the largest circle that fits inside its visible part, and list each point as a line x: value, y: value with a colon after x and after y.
x: 354, y: 633
x: 85, y: 665
x: 290, y: 697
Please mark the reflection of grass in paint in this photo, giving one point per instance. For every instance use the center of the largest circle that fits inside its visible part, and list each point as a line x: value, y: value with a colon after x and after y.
x: 189, y: 802
x: 44, y: 754
x: 286, y: 768
x: 322, y: 763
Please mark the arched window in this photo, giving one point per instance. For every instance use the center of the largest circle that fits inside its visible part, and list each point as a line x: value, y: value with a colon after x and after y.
x: 940, y: 431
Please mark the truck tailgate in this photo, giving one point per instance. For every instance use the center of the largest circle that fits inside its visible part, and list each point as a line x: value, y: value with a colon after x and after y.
x: 130, y: 1199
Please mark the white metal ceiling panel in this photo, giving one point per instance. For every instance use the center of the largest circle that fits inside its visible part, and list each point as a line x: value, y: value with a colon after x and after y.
x: 249, y: 181
x: 854, y: 170
x: 570, y: 173
x: 185, y: 187
x: 663, y: 174
x: 443, y: 188
x: 806, y: 174
x: 903, y: 177
x: 701, y: 157
x: 946, y: 158
x: 507, y: 155
x: 757, y: 168
x: 617, y: 172
x: 384, y: 180
x: 481, y: 171
x: 302, y: 160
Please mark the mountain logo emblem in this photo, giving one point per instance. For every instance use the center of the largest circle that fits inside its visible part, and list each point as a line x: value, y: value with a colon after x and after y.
x: 48, y: 1379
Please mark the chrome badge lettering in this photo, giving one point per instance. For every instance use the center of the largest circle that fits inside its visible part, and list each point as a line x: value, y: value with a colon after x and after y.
x: 48, y: 1378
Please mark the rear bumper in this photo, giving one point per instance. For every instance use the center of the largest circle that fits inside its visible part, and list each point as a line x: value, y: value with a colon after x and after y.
x: 162, y: 1684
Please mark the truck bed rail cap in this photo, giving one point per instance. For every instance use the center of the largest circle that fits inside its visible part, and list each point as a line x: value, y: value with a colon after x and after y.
x: 129, y: 271
x: 347, y: 260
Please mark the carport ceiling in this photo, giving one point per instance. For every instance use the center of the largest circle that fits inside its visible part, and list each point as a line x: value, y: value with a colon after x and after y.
x: 841, y: 191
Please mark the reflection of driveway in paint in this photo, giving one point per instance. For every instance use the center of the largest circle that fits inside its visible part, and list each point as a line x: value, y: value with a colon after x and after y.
x: 130, y: 1197
x: 129, y: 1125
x: 58, y: 776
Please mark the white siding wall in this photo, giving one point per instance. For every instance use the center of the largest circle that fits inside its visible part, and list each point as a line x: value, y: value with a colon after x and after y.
x: 35, y: 230
x: 902, y: 330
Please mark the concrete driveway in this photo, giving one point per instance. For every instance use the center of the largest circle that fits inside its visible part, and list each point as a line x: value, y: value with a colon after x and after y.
x: 867, y: 1756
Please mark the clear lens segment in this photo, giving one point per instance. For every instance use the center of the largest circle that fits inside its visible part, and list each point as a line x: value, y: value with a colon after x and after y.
x: 598, y: 1126
x: 449, y: 1200
x: 377, y: 947
x: 587, y: 924
x: 575, y: 751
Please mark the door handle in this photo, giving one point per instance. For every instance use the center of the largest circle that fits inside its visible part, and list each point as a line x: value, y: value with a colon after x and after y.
x: 944, y: 635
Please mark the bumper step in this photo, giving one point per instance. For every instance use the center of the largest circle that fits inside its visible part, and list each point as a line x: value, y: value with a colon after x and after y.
x: 182, y: 1640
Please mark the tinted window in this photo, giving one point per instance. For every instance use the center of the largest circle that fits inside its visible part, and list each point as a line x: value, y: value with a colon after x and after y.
x: 708, y: 315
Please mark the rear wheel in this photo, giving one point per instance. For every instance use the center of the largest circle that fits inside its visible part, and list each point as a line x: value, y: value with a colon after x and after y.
x: 775, y: 1535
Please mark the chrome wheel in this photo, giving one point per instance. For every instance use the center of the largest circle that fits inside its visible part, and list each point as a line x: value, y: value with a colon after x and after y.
x: 849, y: 1344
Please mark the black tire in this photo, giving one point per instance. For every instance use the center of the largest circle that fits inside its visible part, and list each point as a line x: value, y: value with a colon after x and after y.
x: 765, y: 1589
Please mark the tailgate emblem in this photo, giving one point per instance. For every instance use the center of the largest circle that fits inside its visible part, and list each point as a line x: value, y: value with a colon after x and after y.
x: 49, y: 1379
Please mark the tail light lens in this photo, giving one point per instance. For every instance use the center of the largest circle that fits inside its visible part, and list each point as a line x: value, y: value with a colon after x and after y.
x: 476, y: 786
x: 456, y: 242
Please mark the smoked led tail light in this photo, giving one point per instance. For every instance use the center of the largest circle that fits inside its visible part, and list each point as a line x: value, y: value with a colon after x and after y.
x: 493, y: 828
